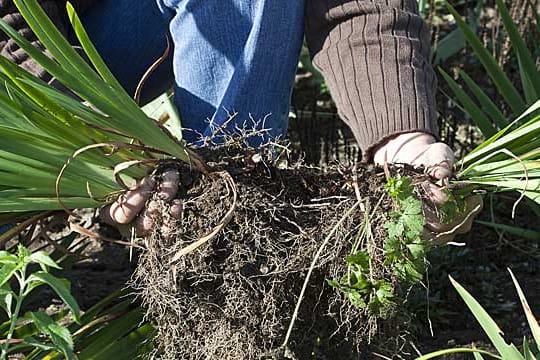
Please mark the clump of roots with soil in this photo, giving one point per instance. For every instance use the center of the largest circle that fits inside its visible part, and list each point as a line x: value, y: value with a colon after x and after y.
x: 224, y: 280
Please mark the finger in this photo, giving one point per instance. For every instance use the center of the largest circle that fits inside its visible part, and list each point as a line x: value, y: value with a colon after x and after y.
x: 144, y: 225
x: 461, y: 224
x: 169, y: 185
x: 177, y: 209
x: 428, y: 234
x: 475, y: 205
x: 153, y: 208
x: 125, y: 209
x: 439, y: 160
x: 433, y: 221
x: 436, y: 195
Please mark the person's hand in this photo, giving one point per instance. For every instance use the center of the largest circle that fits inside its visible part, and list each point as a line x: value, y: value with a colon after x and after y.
x: 439, y: 232
x: 421, y: 149
x: 136, y: 208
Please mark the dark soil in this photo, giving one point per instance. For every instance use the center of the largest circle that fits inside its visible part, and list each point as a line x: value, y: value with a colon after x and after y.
x: 480, y: 267
x: 233, y: 298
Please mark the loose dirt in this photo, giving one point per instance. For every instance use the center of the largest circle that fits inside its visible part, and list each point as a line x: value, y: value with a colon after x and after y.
x: 233, y: 298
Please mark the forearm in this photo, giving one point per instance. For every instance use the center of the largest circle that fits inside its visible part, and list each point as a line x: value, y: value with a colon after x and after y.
x: 374, y: 56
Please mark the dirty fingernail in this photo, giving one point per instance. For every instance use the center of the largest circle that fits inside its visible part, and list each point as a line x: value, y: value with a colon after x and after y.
x: 169, y: 185
x: 177, y: 208
x: 144, y: 225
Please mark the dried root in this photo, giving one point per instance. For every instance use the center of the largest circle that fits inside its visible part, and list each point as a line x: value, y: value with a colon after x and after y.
x: 233, y: 297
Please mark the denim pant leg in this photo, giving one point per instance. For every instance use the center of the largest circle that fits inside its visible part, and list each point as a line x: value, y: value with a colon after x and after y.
x: 229, y: 56
x: 235, y: 56
x: 131, y: 35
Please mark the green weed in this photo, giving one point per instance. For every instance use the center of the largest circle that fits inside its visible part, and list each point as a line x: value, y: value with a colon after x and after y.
x: 51, y: 335
x: 404, y: 253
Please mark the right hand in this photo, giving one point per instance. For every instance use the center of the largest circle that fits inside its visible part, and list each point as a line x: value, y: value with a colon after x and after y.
x: 135, y: 207
x: 441, y: 233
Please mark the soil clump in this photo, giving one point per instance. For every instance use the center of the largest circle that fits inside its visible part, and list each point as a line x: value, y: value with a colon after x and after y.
x: 233, y: 297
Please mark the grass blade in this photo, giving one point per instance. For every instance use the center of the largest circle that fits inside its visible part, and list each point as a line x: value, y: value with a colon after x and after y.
x: 517, y: 231
x: 501, y: 80
x: 488, y: 106
x: 533, y: 323
x: 491, y: 328
x: 476, y: 114
x: 439, y: 353
x: 90, y: 49
x: 530, y: 76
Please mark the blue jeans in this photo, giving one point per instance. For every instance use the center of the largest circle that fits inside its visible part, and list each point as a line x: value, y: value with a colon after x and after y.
x: 230, y: 56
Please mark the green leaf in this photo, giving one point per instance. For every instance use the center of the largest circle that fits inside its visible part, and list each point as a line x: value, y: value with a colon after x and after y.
x: 333, y: 283
x: 59, y: 335
x: 488, y: 106
x: 501, y: 80
x: 535, y: 14
x: 128, y: 347
x: 23, y: 253
x: 395, y: 229
x: 165, y: 104
x: 411, y: 206
x: 42, y: 258
x: 400, y: 188
x: 45, y: 127
x: 8, y: 258
x: 61, y: 287
x: 392, y: 250
x: 360, y: 258
x: 530, y: 76
x: 514, y: 230
x: 492, y: 330
x: 105, y: 338
x: 384, y: 292
x: 452, y: 43
x: 38, y: 344
x: 408, y: 271
x: 90, y: 49
x: 440, y: 353
x: 417, y: 250
x: 6, y: 273
x: 6, y: 299
x: 476, y: 114
x: 527, y: 350
x: 414, y: 225
x: 531, y: 319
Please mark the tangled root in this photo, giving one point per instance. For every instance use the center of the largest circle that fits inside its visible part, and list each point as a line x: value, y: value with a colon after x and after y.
x: 233, y: 297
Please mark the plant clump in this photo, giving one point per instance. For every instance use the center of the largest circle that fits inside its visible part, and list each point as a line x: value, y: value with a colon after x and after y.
x: 234, y: 296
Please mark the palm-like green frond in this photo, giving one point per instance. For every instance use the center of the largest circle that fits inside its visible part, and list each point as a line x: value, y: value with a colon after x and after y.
x: 41, y: 128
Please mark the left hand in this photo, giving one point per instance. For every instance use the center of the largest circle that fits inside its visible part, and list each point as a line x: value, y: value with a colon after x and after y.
x: 421, y: 149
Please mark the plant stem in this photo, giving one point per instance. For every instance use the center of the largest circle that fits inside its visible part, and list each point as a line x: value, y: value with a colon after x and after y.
x: 313, y: 263
x: 15, y: 316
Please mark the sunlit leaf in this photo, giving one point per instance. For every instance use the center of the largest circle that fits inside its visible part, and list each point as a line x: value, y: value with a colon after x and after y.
x: 61, y: 288
x: 492, y: 330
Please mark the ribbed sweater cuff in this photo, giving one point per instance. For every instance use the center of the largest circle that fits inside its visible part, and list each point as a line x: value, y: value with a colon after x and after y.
x: 375, y: 59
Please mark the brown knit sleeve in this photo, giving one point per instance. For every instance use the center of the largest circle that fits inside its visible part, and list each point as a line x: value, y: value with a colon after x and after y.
x: 9, y: 13
x: 8, y: 47
x: 374, y: 56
